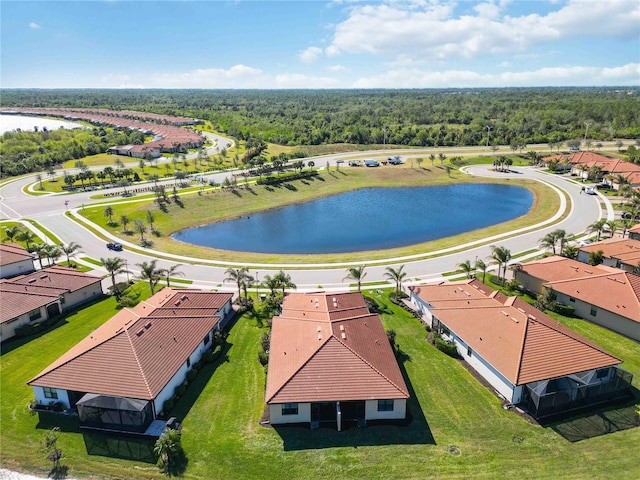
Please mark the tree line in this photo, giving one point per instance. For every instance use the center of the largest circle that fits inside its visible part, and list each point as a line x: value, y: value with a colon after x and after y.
x: 435, y: 117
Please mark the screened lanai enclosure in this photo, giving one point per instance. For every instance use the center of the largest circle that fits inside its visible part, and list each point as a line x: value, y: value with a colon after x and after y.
x: 559, y: 395
x: 103, y: 412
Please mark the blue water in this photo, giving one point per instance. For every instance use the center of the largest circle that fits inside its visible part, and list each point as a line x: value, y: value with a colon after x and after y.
x: 366, y: 219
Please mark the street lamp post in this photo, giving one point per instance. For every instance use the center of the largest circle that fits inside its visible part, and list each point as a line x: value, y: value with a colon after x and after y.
x: 488, y: 134
x: 257, y: 283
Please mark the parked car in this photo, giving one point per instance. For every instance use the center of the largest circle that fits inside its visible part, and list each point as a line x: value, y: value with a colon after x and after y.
x: 355, y: 163
x: 339, y: 161
x: 589, y: 191
x: 114, y: 246
x: 395, y: 160
x: 371, y: 163
x: 604, y: 186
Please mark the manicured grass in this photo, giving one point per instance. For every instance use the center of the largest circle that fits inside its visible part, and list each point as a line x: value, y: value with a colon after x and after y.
x: 44, y: 230
x: 221, y: 205
x: 223, y: 439
x: 75, y: 265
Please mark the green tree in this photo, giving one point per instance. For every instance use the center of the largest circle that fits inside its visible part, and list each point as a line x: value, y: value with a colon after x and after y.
x: 396, y: 276
x: 151, y: 218
x: 70, y: 249
x: 481, y: 266
x: 357, y: 274
x: 237, y: 276
x: 108, y: 212
x: 284, y: 281
x: 172, y: 272
x: 501, y: 256
x: 466, y: 267
x: 141, y: 228
x: 168, y: 449
x: 597, y: 227
x: 150, y: 272
x: 115, y: 266
x: 596, y: 258
x: 12, y: 233
x: 124, y: 220
x: 27, y: 236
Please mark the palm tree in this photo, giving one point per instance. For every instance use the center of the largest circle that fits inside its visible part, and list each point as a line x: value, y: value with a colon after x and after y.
x: 480, y: 265
x: 561, y: 238
x: 70, y: 249
x: 396, y: 276
x: 272, y: 284
x: 548, y: 241
x: 40, y: 250
x: 52, y: 253
x: 108, y: 212
x: 625, y: 225
x: 26, y: 236
x: 236, y: 275
x: 149, y: 271
x: 612, y: 225
x: 597, y: 227
x: 168, y: 449
x: 115, y: 266
x: 357, y: 274
x: 570, y: 251
x: 12, y: 233
x: 140, y: 227
x: 172, y: 272
x: 124, y: 220
x: 284, y: 281
x: 150, y: 219
x: 466, y: 267
x: 501, y: 256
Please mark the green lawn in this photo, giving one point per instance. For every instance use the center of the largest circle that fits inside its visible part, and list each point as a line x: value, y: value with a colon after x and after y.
x: 223, y: 439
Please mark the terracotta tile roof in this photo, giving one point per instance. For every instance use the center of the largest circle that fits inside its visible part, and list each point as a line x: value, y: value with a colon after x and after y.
x: 618, y: 293
x: 135, y: 353
x: 555, y: 268
x: 13, y: 253
x: 453, y: 291
x: 18, y: 300
x: 521, y: 342
x: 612, y: 247
x: 329, y: 356
x: 635, y: 228
x: 57, y: 277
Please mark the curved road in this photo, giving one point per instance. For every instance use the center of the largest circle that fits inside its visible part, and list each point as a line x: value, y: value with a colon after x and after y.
x: 48, y: 210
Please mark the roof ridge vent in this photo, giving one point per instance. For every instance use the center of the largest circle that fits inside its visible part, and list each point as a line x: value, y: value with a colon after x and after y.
x: 140, y: 332
x: 521, y: 309
x: 504, y: 313
x: 342, y: 328
x: 344, y: 336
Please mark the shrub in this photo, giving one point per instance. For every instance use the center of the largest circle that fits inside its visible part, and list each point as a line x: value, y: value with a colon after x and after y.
x: 168, y: 404
x: 263, y: 358
x: 58, y: 407
x: 207, y: 357
x: 191, y: 375
x: 446, y: 347
x: 180, y: 389
x: 566, y: 310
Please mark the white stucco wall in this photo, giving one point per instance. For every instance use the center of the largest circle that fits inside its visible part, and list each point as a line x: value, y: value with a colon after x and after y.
x: 276, y: 417
x: 484, y: 368
x: 422, y: 307
x: 604, y: 318
x: 85, y: 294
x: 18, y: 268
x: 528, y: 282
x: 399, y: 410
x: 8, y: 329
x: 63, y: 397
x: 180, y: 375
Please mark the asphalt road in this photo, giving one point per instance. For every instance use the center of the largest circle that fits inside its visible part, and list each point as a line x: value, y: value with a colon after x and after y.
x: 49, y: 211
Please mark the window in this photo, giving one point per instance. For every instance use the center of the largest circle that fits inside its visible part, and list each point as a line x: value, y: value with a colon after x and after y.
x: 385, y: 405
x: 50, y: 392
x: 594, y: 310
x: 188, y: 362
x: 35, y: 314
x: 469, y: 351
x: 602, y: 373
x: 207, y: 339
x: 571, y: 299
x: 289, y: 409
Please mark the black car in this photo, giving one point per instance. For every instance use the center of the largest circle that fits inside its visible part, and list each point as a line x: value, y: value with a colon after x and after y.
x: 114, y: 246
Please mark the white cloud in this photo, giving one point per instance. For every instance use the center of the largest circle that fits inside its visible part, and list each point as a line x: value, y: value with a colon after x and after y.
x: 310, y: 54
x: 296, y: 80
x: 35, y: 26
x: 337, y: 68
x: 504, y: 64
x: 431, y: 29
x: 549, y: 76
x: 238, y: 76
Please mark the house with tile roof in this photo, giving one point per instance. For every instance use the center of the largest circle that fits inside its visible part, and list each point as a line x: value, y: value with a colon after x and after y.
x: 617, y: 252
x: 120, y: 376
x: 528, y: 358
x: 14, y: 260
x: 330, y: 363
x: 532, y: 276
x: 43, y: 295
x: 634, y: 232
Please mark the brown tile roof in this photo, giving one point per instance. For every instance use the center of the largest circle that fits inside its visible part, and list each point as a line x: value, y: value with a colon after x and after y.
x: 555, y: 268
x: 327, y: 355
x: 461, y: 290
x: 16, y: 300
x: 13, y: 253
x: 635, y: 228
x: 618, y: 293
x: 521, y: 342
x: 135, y: 353
x: 613, y: 247
x: 57, y: 277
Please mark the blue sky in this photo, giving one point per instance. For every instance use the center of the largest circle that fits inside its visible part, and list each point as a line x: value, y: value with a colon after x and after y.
x: 316, y: 44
